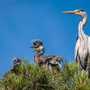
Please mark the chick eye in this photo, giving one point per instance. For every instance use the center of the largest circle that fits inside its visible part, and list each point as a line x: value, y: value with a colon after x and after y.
x: 78, y: 11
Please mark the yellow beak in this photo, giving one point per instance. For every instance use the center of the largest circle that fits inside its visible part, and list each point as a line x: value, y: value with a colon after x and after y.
x: 22, y: 59
x: 34, y: 50
x: 69, y: 12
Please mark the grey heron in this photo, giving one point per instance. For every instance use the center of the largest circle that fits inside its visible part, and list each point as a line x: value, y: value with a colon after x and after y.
x: 82, y: 48
x: 48, y: 60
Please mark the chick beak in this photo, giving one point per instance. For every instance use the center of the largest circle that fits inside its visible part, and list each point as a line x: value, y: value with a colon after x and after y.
x: 22, y: 59
x: 60, y: 65
x: 32, y: 47
x: 34, y: 50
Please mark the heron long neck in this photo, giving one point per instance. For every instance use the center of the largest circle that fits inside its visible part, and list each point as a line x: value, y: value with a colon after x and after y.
x: 37, y: 57
x: 81, y: 25
x: 39, y: 54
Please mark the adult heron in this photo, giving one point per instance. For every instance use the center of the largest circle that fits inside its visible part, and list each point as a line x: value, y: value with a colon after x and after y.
x: 82, y: 49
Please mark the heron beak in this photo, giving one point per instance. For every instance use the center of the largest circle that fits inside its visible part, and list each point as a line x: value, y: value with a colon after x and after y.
x: 32, y: 47
x: 22, y: 59
x: 69, y: 12
x: 34, y: 50
x: 35, y: 46
x: 60, y: 65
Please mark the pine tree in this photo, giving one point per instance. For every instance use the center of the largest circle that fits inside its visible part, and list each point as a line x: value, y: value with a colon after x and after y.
x: 33, y: 77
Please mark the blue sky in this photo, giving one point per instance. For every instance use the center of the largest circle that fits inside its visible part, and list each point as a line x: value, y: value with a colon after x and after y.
x: 21, y: 21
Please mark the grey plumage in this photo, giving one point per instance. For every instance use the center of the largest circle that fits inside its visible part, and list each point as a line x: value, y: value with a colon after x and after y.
x: 82, y: 48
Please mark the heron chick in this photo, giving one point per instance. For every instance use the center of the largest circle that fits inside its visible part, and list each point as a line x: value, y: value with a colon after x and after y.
x: 16, y: 63
x: 48, y: 60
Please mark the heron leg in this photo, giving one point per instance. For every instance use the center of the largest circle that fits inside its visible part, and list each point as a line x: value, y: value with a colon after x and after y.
x: 50, y: 68
x: 79, y: 67
x: 88, y: 67
x: 82, y: 71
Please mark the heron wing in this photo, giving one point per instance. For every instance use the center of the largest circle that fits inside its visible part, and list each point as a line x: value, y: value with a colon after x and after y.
x: 48, y: 57
x: 89, y: 44
x: 52, y: 59
x: 76, y: 50
x: 81, y: 52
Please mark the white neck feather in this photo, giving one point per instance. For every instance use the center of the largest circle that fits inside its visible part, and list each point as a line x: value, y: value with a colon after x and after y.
x: 81, y: 25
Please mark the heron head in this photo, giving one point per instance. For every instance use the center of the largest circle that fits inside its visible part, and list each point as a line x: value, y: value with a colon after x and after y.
x: 78, y: 12
x: 16, y: 61
x: 38, y: 45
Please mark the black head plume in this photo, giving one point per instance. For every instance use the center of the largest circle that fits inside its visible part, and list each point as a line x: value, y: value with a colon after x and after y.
x: 37, y: 42
x: 16, y: 61
x: 82, y: 10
